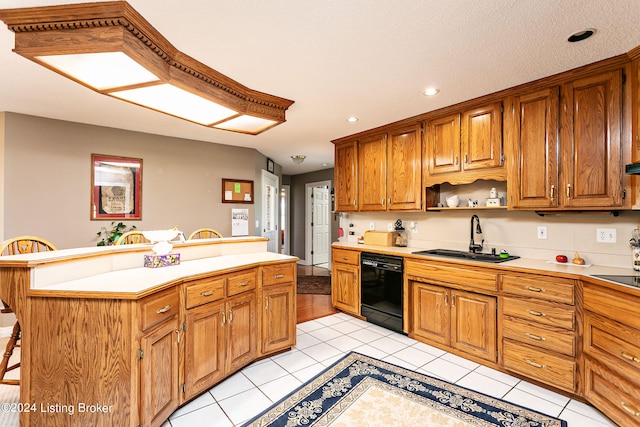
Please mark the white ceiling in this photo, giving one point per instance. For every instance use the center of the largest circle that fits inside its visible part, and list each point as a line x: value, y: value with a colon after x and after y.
x: 338, y: 58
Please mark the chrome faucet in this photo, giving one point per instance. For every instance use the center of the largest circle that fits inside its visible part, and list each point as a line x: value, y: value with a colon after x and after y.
x: 473, y: 246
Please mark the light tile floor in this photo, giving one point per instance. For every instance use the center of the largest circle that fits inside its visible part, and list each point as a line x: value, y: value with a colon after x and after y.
x: 322, y: 341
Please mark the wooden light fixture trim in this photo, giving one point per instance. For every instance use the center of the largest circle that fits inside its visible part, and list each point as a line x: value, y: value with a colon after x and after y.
x: 116, y: 27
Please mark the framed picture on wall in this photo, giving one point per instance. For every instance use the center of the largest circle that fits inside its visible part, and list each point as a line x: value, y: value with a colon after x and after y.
x: 116, y: 187
x: 270, y: 166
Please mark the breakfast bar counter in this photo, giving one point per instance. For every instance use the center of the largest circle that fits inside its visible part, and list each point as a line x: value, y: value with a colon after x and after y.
x: 107, y: 341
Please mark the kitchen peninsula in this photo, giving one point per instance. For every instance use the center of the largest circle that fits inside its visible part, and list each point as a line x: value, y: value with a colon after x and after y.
x: 108, y: 342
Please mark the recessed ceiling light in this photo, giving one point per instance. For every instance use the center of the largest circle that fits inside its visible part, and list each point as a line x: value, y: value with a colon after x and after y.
x: 581, y: 35
x: 431, y: 91
x: 352, y: 119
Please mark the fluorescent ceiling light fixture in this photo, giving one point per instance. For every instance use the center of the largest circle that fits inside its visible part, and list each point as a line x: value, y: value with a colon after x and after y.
x: 431, y: 91
x: 100, y: 70
x: 112, y: 49
x: 177, y: 102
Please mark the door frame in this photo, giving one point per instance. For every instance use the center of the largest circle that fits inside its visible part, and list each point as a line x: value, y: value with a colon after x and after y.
x: 268, y: 175
x: 285, y: 214
x: 308, y: 234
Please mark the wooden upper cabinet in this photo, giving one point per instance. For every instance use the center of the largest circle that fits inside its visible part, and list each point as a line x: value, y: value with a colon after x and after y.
x: 591, y: 172
x: 372, y: 174
x: 443, y: 144
x: 482, y: 137
x: 533, y: 144
x: 463, y: 147
x: 404, y: 169
x: 346, y: 176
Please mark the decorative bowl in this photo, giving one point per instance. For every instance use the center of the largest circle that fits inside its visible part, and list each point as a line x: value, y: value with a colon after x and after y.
x: 453, y: 201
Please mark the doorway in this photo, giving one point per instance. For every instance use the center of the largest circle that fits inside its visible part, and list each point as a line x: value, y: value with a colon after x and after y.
x: 318, y: 220
x: 285, y: 235
x: 270, y: 200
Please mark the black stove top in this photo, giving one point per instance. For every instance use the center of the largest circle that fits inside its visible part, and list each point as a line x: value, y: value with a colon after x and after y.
x: 625, y: 280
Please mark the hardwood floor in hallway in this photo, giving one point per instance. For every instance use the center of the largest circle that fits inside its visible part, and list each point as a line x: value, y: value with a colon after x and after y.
x: 311, y: 306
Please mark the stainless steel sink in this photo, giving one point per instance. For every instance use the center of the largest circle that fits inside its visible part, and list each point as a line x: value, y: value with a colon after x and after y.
x: 450, y: 253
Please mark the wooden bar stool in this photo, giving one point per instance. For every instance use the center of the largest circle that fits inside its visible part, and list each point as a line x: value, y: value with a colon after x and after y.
x: 205, y: 233
x: 16, y: 246
x: 131, y: 238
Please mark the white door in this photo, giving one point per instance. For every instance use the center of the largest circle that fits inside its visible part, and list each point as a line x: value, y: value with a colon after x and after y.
x: 320, y: 227
x: 270, y: 198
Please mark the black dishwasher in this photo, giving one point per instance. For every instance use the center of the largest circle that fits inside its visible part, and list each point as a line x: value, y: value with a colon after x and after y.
x: 381, y: 289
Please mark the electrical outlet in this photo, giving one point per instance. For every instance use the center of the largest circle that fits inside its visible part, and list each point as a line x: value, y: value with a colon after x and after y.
x: 372, y: 226
x: 606, y: 235
x: 390, y: 226
x: 542, y: 233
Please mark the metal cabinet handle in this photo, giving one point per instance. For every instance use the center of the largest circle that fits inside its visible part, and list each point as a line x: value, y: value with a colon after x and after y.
x: 535, y: 337
x: 630, y: 410
x: 466, y: 159
x: 230, y: 315
x: 224, y: 318
x: 532, y: 289
x: 446, y: 300
x: 178, y: 334
x: 354, y: 203
x: 382, y: 201
x: 206, y: 294
x: 628, y: 357
x: 456, y: 161
x: 242, y: 284
x: 266, y: 303
x: 345, y: 258
x: 163, y: 309
x: 536, y: 313
x: 453, y: 300
x: 279, y: 276
x: 553, y: 192
x: 535, y: 365
x: 568, y: 191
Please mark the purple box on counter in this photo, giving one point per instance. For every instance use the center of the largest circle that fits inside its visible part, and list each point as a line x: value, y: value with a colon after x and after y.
x: 155, y: 261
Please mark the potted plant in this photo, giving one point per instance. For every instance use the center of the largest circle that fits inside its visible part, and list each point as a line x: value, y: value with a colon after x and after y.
x: 109, y: 237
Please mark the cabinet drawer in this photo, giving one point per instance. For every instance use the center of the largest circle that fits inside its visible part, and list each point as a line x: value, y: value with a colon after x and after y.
x: 547, y: 368
x: 613, y: 395
x: 158, y: 308
x: 346, y: 257
x: 540, y: 287
x: 613, y: 342
x: 275, y: 274
x: 558, y: 340
x: 238, y: 283
x: 620, y: 306
x: 546, y: 313
x: 204, y: 290
x: 467, y: 278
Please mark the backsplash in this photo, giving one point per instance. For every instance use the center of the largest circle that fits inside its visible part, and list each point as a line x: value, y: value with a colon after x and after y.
x: 511, y: 230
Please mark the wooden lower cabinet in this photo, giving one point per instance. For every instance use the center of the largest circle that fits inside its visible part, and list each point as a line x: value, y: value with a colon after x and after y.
x: 242, y: 329
x: 462, y: 320
x: 345, y: 281
x: 278, y: 318
x: 159, y: 368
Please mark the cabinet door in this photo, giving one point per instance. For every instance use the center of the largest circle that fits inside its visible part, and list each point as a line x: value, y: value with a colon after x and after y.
x: 533, y: 181
x: 345, y: 288
x: 159, y: 388
x: 241, y: 325
x: 404, y: 169
x: 430, y: 308
x: 346, y: 176
x: 443, y: 144
x: 278, y: 318
x: 482, y: 137
x: 473, y: 324
x: 591, y: 141
x: 372, y: 180
x: 204, y: 345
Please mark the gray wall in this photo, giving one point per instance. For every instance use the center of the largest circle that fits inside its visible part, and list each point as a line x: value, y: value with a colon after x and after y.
x: 47, y: 179
x: 298, y: 206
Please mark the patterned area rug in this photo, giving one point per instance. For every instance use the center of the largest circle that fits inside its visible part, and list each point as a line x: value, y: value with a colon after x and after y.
x: 320, y: 285
x: 362, y: 391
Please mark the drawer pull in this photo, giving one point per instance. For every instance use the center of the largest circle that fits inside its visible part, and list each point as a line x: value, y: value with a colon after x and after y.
x: 626, y: 356
x: 536, y: 313
x: 206, y: 294
x: 224, y: 317
x: 278, y: 276
x: 532, y: 289
x: 630, y: 410
x: 535, y: 365
x: 345, y: 258
x: 242, y: 284
x: 535, y: 337
x: 230, y: 315
x: 163, y: 309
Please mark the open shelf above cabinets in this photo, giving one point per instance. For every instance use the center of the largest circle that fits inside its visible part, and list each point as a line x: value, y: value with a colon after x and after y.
x: 475, y: 196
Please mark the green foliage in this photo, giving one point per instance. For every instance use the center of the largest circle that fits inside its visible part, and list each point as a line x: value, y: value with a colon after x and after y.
x: 109, y: 237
